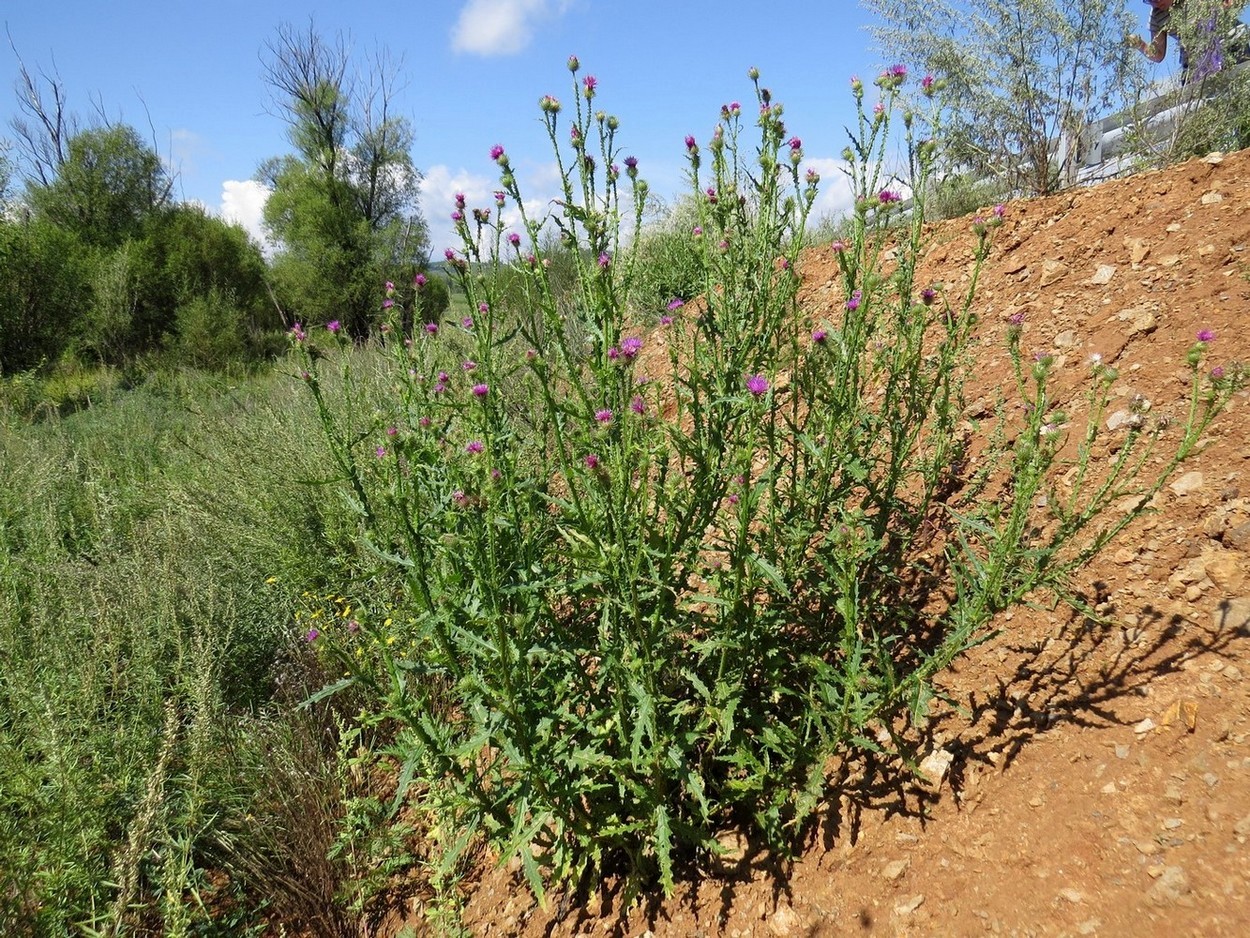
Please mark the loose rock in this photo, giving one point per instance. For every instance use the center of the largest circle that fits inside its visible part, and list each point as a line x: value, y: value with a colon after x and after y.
x: 1171, y: 887
x: 1187, y: 484
x: 1103, y: 274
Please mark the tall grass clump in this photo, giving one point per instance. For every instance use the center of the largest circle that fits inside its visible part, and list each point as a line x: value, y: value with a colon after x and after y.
x: 149, y: 549
x: 658, y: 570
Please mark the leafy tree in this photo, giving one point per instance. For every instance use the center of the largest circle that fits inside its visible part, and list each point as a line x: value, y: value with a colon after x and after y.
x: 343, y: 210
x: 1019, y: 76
x: 41, y: 273
x: 109, y: 183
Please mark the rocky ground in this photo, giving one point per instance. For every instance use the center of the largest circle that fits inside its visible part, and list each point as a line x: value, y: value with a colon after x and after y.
x: 1095, y: 777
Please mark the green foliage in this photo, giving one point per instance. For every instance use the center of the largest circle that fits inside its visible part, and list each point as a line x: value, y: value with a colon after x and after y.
x: 669, y: 260
x: 961, y: 194
x: 141, y: 645
x: 343, y: 209
x: 1019, y: 77
x: 42, y: 269
x: 108, y: 185
x: 648, y: 596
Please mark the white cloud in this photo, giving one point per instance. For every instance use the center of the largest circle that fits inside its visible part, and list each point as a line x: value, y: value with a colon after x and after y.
x: 441, y: 184
x: 243, y: 203
x: 500, y: 27
x: 834, y: 197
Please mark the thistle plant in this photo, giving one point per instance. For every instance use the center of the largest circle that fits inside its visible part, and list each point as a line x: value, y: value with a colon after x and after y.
x: 639, y: 578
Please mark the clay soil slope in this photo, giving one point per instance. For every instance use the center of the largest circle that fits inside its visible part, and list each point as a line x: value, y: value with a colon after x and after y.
x: 1099, y: 775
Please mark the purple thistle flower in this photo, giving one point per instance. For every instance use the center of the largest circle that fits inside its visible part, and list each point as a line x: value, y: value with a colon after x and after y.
x: 757, y: 384
x: 794, y: 143
x: 690, y: 142
x: 928, y: 295
x: 886, y: 197
x: 312, y: 635
x: 819, y: 336
x: 481, y: 390
x: 460, y: 498
x: 419, y: 281
x: 697, y: 231
x: 631, y: 162
x: 631, y: 346
x: 666, y: 320
x: 927, y: 83
x: 334, y: 326
x: 1217, y: 372
x: 590, y: 82
x: 514, y: 239
x: 592, y: 461
x: 604, y: 416
x: 1206, y: 335
x: 675, y: 304
x: 853, y: 303
x: 443, y: 377
x: 469, y: 365
x: 431, y: 328
x: 392, y: 431
x: 605, y: 259
x: 473, y: 447
x: 388, y: 303
x: 298, y: 333
x: 380, y: 452
x: 637, y: 405
x: 496, y: 152
x: 467, y: 322
x: 449, y: 254
x: 1016, y: 319
x: 424, y: 423
x: 499, y: 198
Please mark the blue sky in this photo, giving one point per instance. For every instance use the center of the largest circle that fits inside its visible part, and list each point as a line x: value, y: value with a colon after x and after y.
x: 473, y: 71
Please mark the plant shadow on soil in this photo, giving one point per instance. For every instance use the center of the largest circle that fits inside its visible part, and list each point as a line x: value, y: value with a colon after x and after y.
x: 1076, y: 677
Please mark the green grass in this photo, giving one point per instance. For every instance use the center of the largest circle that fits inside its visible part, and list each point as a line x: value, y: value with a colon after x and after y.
x: 150, y: 550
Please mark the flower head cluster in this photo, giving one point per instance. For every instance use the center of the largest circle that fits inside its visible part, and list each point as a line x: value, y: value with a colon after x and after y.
x: 892, y: 77
x: 757, y: 384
